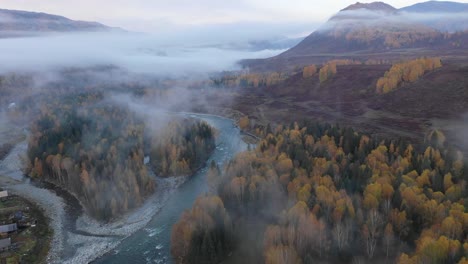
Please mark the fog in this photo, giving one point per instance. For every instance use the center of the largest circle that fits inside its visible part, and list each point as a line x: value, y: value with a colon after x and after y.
x: 457, y: 131
x: 443, y: 21
x: 161, y: 55
x: 462, y: 133
x: 120, y: 61
x: 155, y: 114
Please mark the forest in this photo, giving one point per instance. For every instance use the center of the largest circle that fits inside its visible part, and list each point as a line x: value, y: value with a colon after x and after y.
x: 182, y: 148
x: 314, y: 192
x: 96, y: 150
x: 389, y: 35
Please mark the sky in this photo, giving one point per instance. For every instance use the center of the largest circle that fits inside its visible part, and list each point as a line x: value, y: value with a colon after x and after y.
x: 163, y: 15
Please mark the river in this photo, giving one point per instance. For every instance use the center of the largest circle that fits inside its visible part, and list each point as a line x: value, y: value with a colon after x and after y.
x: 142, y: 236
x: 152, y: 243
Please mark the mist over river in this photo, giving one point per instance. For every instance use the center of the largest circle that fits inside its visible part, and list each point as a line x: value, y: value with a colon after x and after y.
x: 152, y: 243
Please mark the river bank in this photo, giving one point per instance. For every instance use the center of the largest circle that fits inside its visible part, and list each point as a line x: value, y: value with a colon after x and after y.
x: 81, y: 239
x: 93, y: 238
x: 89, y: 238
x: 151, y: 244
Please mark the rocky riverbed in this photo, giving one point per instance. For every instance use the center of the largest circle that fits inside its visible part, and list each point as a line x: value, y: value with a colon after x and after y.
x: 88, y: 238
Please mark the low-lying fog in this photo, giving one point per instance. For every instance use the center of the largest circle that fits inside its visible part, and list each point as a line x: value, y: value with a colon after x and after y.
x: 163, y: 55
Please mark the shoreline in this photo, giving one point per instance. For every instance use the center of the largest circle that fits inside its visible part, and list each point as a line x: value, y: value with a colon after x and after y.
x: 102, y: 236
x: 89, y: 239
x: 94, y: 239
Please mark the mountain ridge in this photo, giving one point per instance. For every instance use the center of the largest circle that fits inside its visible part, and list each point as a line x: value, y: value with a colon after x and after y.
x: 374, y: 6
x: 19, y: 22
x: 374, y: 28
x: 436, y: 6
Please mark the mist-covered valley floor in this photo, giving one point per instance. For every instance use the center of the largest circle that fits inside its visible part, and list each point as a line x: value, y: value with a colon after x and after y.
x: 145, y: 84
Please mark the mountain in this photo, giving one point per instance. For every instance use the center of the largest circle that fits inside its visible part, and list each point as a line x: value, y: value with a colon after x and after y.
x: 18, y: 23
x: 375, y: 26
x: 436, y: 7
x: 443, y: 16
x: 375, y: 6
x: 364, y: 30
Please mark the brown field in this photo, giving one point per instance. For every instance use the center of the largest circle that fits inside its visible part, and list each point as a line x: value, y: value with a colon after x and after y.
x: 438, y: 100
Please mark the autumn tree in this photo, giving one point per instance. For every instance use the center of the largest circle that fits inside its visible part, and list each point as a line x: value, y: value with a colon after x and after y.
x: 203, y: 234
x: 309, y: 71
x: 319, y: 189
x: 406, y: 72
x: 244, y: 122
x: 328, y: 70
x: 388, y: 238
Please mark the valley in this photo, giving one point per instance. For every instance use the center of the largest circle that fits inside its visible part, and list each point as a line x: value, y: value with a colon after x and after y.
x: 219, y: 142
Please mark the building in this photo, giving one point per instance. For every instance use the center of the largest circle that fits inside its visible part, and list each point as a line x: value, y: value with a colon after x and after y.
x: 5, y: 244
x: 3, y: 195
x: 5, y: 229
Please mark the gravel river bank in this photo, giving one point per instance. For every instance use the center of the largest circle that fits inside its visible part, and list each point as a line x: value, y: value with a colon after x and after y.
x: 141, y: 236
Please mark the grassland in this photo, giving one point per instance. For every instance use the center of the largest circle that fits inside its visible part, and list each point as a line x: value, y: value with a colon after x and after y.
x: 439, y: 100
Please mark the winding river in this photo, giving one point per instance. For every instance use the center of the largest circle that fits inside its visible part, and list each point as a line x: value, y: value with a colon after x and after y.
x: 80, y: 239
x: 151, y: 244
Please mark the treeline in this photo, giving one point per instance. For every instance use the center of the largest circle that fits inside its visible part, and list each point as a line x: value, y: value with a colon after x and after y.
x: 328, y: 70
x: 182, y: 148
x: 252, y: 80
x: 325, y: 193
x: 97, y: 150
x: 408, y: 72
x: 391, y: 36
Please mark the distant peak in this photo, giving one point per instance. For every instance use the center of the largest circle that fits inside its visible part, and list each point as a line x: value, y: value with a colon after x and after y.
x: 374, y: 6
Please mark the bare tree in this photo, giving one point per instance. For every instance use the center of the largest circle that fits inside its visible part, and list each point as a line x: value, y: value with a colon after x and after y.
x: 371, y: 231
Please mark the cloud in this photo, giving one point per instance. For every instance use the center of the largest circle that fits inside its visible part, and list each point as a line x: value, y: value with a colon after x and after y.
x: 4, y: 18
x: 449, y: 22
x: 441, y: 21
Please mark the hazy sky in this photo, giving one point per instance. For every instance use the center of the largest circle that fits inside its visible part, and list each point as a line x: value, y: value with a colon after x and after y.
x: 156, y: 15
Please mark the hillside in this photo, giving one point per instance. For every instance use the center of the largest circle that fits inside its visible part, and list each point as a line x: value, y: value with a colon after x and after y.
x: 361, y: 31
x: 15, y: 22
x: 437, y: 7
x: 374, y: 26
x: 439, y: 99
